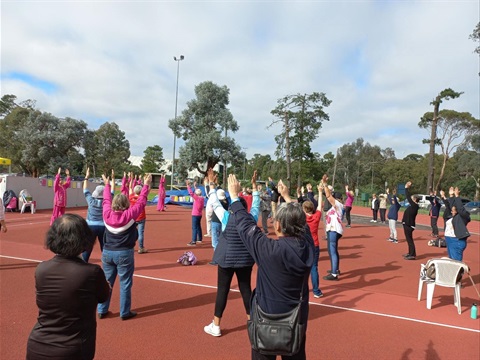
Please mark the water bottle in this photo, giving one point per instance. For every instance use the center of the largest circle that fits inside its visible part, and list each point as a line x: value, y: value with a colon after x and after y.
x: 473, y: 311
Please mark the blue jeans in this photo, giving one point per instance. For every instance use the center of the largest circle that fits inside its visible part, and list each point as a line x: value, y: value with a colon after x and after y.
x: 455, y: 247
x: 216, y: 231
x: 314, y: 271
x: 98, y: 232
x: 123, y: 263
x: 141, y: 231
x: 196, y: 228
x: 332, y: 240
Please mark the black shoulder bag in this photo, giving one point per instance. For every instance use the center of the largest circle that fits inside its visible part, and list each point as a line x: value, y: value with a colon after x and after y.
x: 276, y: 334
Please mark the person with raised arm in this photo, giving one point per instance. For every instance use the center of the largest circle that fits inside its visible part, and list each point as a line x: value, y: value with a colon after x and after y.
x: 60, y: 194
x: 284, y: 264
x: 408, y: 222
x: 197, y: 211
x: 118, y: 249
x: 94, y: 214
x: 334, y: 229
x: 231, y: 255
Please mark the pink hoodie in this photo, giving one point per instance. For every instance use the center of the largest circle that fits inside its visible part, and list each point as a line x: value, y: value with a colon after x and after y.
x: 198, y: 203
x: 117, y: 219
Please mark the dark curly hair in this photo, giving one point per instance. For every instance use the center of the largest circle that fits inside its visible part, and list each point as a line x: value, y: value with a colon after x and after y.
x: 69, y: 236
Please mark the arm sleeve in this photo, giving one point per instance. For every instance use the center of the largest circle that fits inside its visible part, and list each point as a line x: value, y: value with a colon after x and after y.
x: 255, y: 210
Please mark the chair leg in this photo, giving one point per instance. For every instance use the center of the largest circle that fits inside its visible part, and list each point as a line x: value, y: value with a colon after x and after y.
x: 456, y: 298
x: 420, y: 288
x: 430, y: 289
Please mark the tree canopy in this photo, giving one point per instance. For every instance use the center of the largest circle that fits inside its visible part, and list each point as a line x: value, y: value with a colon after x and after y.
x: 301, y: 116
x: 202, y: 125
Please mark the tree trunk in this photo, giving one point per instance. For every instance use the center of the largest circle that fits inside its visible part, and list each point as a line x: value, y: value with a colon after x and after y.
x: 433, y: 136
x: 287, y: 149
x: 442, y: 172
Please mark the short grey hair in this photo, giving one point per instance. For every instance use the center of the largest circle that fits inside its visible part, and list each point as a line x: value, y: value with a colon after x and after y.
x: 292, y: 219
x: 137, y: 189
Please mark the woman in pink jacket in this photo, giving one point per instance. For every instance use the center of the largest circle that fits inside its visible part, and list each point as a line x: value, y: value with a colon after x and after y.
x: 60, y: 198
x: 161, y: 194
x: 197, y: 210
x: 119, y: 241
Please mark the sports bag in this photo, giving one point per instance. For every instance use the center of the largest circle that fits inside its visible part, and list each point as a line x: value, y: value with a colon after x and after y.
x: 188, y: 258
x: 276, y: 334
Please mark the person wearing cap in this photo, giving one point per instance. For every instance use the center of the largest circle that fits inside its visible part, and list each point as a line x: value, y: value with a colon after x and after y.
x: 216, y: 222
x: 94, y: 215
x: 231, y: 255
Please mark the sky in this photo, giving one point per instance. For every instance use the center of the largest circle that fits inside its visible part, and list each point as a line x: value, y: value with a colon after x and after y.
x: 381, y: 63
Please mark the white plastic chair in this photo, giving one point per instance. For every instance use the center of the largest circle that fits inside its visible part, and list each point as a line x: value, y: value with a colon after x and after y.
x: 447, y: 274
x: 30, y: 202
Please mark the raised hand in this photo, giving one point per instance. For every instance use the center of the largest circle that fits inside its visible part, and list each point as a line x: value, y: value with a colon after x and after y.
x: 87, y: 174
x: 234, y: 186
x: 254, y: 180
x: 211, y: 176
x: 105, y: 179
x: 147, y: 179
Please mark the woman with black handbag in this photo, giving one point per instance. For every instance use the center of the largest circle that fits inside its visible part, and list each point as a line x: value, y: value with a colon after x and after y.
x: 282, y: 278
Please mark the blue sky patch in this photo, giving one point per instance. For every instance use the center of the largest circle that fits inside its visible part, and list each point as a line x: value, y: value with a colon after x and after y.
x: 46, y: 86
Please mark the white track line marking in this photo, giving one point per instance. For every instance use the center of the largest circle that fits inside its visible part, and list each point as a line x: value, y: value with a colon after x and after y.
x: 311, y: 303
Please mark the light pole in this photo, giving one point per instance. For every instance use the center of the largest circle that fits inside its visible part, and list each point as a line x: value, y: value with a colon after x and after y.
x: 176, y: 102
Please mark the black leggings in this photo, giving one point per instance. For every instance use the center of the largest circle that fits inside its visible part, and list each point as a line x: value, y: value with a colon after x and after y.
x: 224, y: 279
x: 347, y: 214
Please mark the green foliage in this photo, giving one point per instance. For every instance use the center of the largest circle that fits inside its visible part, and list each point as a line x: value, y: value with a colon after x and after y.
x: 152, y: 159
x: 202, y: 126
x: 49, y: 142
x: 109, y: 149
x: 475, y: 36
x: 301, y: 116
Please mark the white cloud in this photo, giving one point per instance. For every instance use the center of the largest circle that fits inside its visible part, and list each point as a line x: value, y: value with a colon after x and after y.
x: 381, y: 63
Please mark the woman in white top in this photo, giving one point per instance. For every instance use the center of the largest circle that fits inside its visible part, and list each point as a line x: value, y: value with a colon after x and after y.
x: 334, y: 229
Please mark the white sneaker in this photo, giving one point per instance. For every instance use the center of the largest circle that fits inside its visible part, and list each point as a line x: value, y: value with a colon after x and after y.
x: 213, y: 329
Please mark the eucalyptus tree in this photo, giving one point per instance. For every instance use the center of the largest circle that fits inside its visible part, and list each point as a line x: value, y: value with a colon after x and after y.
x: 453, y: 129
x: 301, y: 117
x: 49, y: 142
x: 203, y: 126
x: 446, y: 94
x: 152, y: 159
x: 110, y: 149
x: 475, y: 36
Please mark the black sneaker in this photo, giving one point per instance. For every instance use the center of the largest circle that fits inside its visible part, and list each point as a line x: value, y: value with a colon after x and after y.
x: 214, y: 263
x: 191, y: 243
x: 330, y: 277
x: 130, y: 315
x: 104, y: 315
x: 410, y: 257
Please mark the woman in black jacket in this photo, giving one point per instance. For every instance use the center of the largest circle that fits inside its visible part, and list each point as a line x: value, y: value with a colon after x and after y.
x: 283, y: 264
x: 456, y: 232
x: 67, y: 293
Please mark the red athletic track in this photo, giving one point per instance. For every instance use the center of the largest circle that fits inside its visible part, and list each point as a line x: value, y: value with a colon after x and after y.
x: 371, y: 313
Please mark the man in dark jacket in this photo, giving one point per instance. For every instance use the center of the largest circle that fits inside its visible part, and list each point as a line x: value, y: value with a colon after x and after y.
x: 408, y: 222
